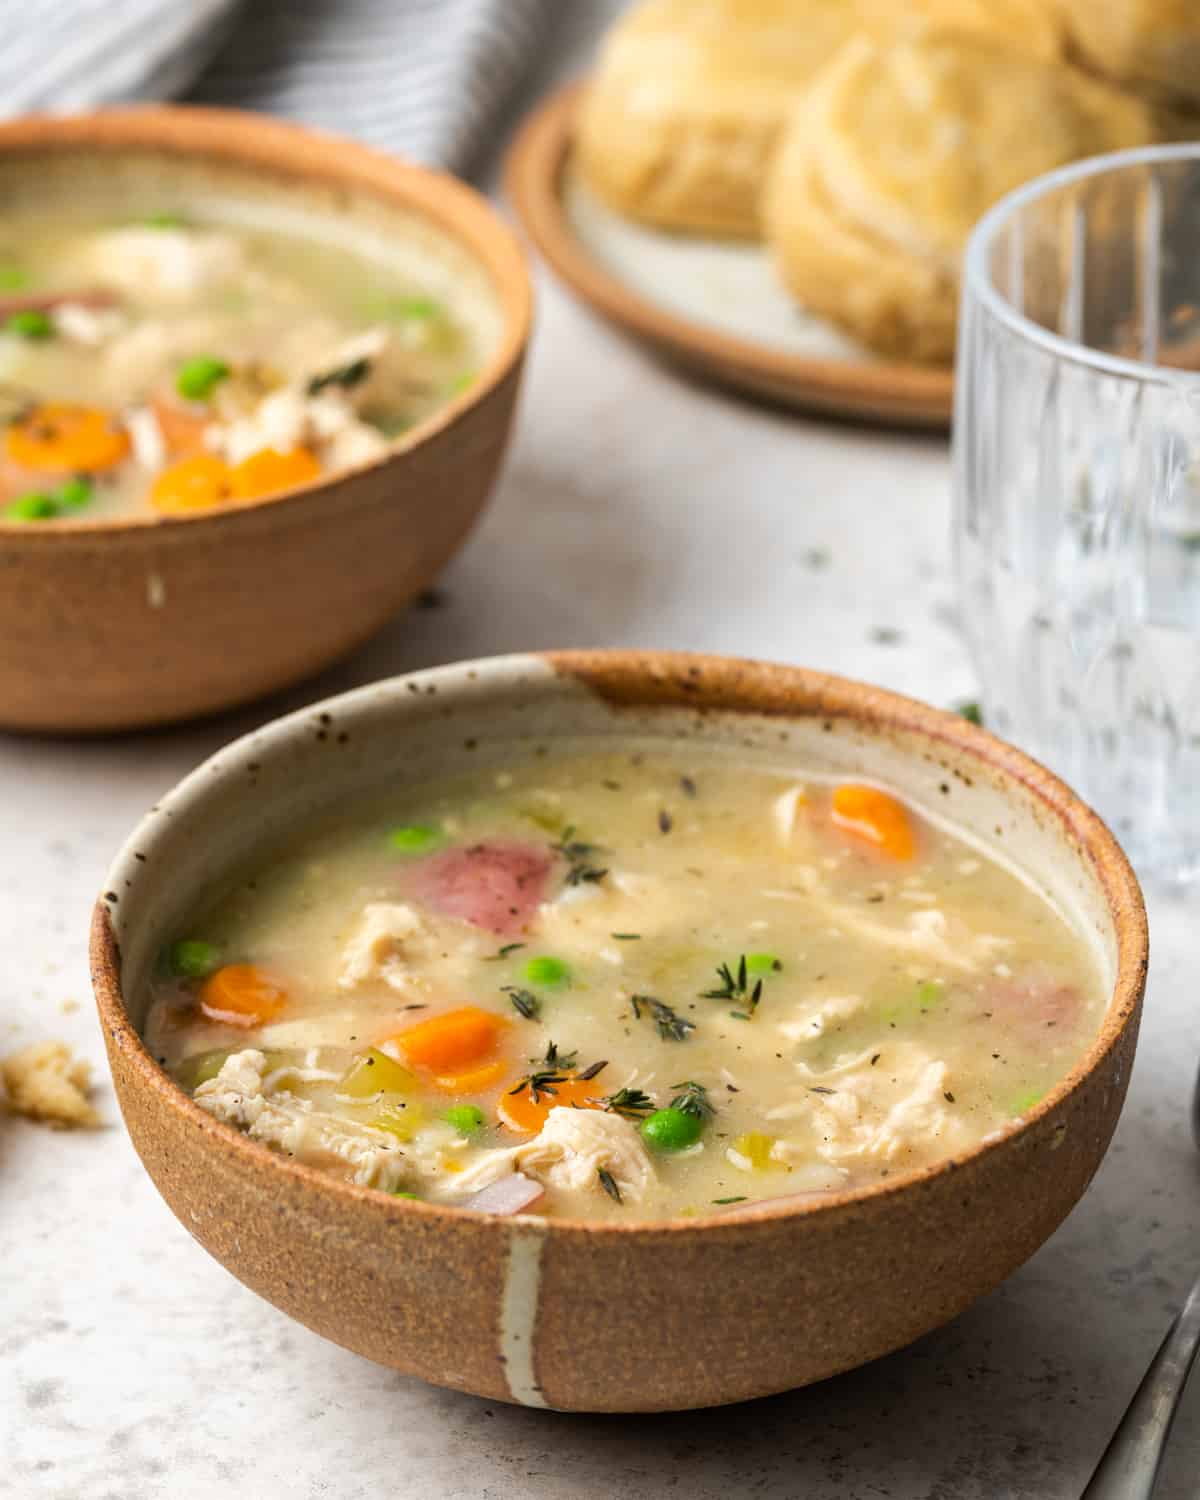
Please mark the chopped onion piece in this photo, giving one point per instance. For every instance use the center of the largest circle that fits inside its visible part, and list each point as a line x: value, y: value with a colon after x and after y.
x: 514, y: 1194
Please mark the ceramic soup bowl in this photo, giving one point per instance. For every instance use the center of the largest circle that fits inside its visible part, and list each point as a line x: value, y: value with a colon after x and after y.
x: 630, y: 1316
x: 145, y: 620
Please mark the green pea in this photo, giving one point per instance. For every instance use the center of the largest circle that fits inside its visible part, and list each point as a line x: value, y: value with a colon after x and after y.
x: 467, y: 1119
x: 31, y: 507
x: 547, y: 972
x: 762, y: 963
x: 13, y: 278
x: 193, y: 958
x: 671, y: 1130
x: 30, y: 324
x: 74, y: 493
x: 196, y: 378
x: 414, y: 838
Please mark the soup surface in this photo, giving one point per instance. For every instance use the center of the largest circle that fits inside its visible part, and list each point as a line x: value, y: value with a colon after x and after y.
x: 625, y: 986
x: 168, y: 366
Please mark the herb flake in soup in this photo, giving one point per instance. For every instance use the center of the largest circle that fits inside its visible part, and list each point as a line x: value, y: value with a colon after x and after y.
x: 722, y: 984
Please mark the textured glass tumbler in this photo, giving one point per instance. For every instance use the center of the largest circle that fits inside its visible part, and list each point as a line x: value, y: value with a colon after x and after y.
x: 1077, y: 487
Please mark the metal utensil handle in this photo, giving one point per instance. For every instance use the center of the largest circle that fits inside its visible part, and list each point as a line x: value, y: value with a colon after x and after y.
x: 1131, y: 1461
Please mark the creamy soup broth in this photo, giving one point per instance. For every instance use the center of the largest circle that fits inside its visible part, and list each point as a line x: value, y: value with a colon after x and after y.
x: 175, y: 364
x: 626, y: 986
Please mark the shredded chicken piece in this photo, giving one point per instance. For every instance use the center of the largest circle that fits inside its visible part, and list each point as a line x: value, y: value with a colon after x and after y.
x: 149, y: 445
x: 784, y: 811
x: 236, y: 1097
x: 573, y: 1146
x: 163, y: 265
x: 92, y: 326
x: 814, y: 1024
x: 389, y: 935
x: 45, y: 1082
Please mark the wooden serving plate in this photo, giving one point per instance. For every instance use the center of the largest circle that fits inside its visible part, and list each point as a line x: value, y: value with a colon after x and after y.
x: 650, y: 284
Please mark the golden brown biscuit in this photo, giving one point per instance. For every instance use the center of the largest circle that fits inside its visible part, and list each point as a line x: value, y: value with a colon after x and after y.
x: 1146, y: 43
x: 900, y: 305
x: 897, y: 152
x: 688, y: 99
x: 1034, y: 27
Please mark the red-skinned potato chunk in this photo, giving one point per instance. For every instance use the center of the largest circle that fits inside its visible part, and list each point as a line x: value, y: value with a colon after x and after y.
x: 496, y: 885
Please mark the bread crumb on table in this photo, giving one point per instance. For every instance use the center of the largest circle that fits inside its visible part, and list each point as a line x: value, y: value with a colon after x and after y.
x: 45, y: 1082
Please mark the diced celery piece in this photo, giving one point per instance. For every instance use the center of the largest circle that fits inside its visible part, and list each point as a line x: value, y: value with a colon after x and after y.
x: 398, y: 1118
x: 372, y: 1073
x: 198, y: 1069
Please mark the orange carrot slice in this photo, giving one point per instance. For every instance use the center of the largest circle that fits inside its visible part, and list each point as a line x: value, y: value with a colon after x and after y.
x: 268, y: 471
x: 241, y: 995
x: 522, y: 1112
x: 876, y: 817
x: 182, y: 430
x: 450, y: 1043
x: 201, y: 482
x: 60, y: 437
x: 473, y: 1080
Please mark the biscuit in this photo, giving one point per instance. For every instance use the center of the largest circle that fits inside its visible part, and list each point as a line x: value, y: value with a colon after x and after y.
x: 901, y: 147
x: 1152, y: 44
x: 1032, y: 27
x: 682, y: 117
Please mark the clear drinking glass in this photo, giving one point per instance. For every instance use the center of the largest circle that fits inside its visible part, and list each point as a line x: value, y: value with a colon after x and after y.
x: 1077, y: 487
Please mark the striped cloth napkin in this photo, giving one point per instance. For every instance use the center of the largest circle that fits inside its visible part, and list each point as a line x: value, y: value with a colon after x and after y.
x: 423, y: 77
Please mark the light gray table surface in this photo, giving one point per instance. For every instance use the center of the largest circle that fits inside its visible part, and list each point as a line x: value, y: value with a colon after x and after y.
x: 636, y: 509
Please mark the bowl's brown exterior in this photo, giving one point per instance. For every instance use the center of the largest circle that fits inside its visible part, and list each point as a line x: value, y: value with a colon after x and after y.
x: 675, y: 1315
x: 126, y: 624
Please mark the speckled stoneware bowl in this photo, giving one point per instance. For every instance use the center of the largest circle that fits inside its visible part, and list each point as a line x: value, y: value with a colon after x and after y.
x: 602, y: 1316
x: 120, y: 624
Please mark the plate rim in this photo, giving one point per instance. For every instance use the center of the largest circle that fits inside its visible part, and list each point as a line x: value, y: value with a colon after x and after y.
x: 887, y: 391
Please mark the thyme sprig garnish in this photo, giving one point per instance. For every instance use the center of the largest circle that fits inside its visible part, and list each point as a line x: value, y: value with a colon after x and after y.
x: 524, y: 1002
x: 609, y: 1183
x: 631, y: 1103
x: 578, y: 855
x: 736, y: 986
x: 672, y: 1027
x: 551, y: 1070
x: 693, y: 1099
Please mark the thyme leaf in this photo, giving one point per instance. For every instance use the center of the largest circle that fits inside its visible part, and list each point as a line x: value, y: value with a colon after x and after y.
x: 550, y: 1071
x: 524, y: 1002
x: 628, y: 1102
x: 579, y: 855
x: 672, y: 1027
x: 344, y: 375
x: 693, y: 1099
x: 609, y: 1183
x: 503, y: 952
x: 736, y: 986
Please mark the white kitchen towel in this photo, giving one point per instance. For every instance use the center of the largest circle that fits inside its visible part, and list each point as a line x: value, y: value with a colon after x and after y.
x: 426, y: 78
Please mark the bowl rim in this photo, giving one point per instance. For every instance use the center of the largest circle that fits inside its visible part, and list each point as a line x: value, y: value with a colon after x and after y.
x: 234, y: 137
x: 648, y: 679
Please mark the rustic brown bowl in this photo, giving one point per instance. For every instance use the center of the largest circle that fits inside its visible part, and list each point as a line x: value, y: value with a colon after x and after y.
x: 121, y: 624
x: 629, y: 1316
